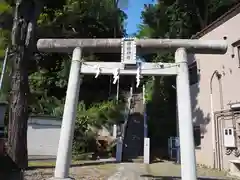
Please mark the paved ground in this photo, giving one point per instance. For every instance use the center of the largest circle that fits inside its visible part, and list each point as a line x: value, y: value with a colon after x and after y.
x: 162, y: 171
x: 129, y: 171
x: 171, y: 171
x: 91, y: 172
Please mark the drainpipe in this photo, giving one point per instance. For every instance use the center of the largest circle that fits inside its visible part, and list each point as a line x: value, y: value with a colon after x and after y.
x: 117, y: 95
x: 218, y: 75
x: 177, y: 131
x: 145, y: 114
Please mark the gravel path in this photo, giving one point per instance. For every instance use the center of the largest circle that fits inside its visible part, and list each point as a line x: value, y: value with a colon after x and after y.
x: 129, y: 171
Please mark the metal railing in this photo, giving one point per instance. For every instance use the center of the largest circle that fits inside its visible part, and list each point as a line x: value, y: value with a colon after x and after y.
x: 127, y: 112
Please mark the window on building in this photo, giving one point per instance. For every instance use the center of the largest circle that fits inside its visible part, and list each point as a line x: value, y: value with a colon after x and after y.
x: 1, y: 132
x: 226, y: 132
x: 193, y: 73
x: 236, y: 51
x: 238, y: 54
x: 197, y: 135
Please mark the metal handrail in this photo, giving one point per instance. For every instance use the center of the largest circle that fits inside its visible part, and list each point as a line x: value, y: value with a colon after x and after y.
x: 127, y: 112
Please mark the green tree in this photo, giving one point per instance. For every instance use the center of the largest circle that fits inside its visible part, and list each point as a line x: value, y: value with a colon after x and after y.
x: 22, y: 45
x: 96, y: 116
x: 75, y: 20
x: 49, y: 72
x: 172, y: 19
x: 70, y: 18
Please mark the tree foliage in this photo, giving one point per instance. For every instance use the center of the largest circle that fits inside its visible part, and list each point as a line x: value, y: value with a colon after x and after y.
x: 89, y: 119
x: 5, y: 14
x: 77, y: 21
x: 48, y: 73
x: 172, y: 19
x: 66, y: 19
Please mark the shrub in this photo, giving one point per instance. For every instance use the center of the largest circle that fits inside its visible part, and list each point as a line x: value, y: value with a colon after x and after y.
x: 105, y: 113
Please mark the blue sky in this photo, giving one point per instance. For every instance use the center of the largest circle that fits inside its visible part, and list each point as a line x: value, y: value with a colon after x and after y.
x: 133, y: 11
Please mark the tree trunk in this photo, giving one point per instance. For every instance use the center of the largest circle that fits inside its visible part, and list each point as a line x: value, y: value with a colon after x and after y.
x: 26, y: 13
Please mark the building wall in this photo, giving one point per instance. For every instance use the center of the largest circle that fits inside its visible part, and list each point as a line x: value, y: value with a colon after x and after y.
x: 44, y: 132
x: 43, y: 136
x: 228, y: 66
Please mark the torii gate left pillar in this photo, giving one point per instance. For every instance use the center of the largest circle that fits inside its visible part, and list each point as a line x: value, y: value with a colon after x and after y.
x: 179, y: 68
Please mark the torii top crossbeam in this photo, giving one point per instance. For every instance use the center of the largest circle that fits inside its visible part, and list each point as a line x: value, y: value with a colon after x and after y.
x: 143, y: 45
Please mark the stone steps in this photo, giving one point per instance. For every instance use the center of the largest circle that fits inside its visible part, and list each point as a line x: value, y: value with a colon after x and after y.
x: 133, y: 138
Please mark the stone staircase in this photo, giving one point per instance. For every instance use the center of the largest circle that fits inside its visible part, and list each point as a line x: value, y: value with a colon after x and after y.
x: 134, y: 138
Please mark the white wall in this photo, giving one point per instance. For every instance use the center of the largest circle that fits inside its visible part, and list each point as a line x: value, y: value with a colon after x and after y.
x: 228, y: 66
x: 43, y: 136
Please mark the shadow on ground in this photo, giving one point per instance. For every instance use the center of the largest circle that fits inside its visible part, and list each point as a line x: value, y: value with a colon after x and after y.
x: 178, y: 178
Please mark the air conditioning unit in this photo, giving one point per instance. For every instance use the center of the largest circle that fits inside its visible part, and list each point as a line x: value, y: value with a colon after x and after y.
x: 229, y: 138
x: 235, y: 106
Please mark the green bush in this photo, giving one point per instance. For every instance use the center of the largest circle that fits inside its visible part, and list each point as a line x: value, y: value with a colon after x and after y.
x: 105, y: 113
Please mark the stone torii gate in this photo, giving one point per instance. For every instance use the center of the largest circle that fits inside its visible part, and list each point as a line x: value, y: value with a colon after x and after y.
x: 128, y: 66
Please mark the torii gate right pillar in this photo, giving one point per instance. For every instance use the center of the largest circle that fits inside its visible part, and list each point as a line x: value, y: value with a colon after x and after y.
x: 188, y: 160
